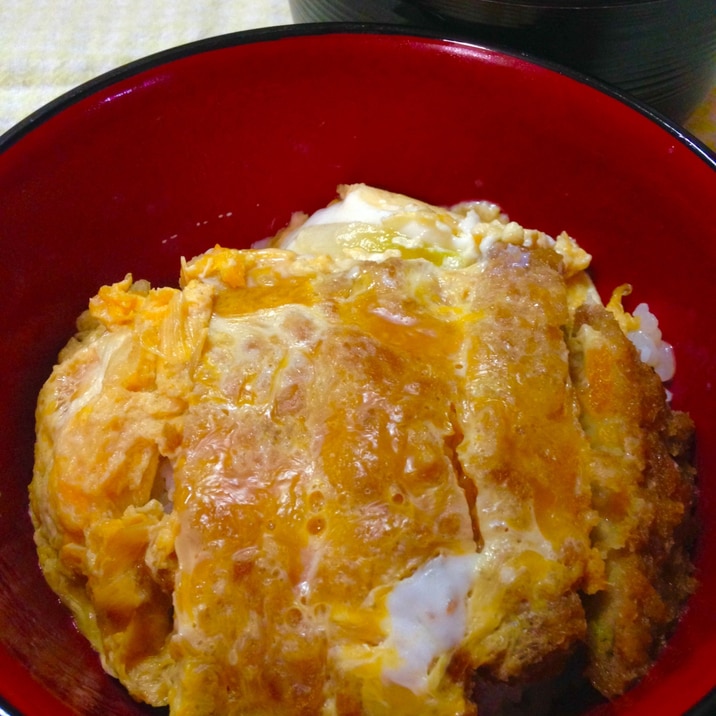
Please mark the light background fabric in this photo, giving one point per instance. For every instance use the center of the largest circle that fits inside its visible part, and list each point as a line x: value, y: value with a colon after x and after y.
x: 47, y: 47
x: 702, y: 122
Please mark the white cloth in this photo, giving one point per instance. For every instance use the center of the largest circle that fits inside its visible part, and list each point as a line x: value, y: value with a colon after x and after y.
x: 47, y: 47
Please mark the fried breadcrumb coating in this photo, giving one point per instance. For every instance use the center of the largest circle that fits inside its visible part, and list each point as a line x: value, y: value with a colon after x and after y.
x: 343, y: 473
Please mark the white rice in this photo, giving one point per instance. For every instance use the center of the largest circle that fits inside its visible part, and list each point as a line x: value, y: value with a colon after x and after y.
x: 654, y: 351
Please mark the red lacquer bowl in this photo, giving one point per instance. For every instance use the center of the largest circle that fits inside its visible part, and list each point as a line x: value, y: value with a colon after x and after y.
x: 220, y: 141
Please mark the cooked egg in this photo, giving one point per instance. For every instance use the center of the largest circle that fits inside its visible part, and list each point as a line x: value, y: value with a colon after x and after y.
x: 344, y: 472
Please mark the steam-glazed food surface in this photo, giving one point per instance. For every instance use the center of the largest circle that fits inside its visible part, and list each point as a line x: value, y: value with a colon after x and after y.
x: 342, y: 473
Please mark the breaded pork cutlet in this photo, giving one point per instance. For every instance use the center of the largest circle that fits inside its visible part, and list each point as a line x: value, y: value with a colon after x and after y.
x: 344, y: 473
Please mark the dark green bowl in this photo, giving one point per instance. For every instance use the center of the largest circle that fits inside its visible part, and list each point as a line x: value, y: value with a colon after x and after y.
x: 663, y: 52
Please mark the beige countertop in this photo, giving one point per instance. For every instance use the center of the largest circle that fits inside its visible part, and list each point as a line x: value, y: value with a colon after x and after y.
x: 46, y: 48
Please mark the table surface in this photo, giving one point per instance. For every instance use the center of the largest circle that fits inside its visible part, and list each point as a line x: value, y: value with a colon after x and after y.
x: 48, y: 47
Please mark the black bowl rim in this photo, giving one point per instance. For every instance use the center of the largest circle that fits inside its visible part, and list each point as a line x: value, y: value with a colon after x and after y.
x: 281, y: 32
x: 7, y: 710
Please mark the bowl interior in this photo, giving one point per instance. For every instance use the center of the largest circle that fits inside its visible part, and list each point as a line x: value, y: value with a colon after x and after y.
x: 222, y: 141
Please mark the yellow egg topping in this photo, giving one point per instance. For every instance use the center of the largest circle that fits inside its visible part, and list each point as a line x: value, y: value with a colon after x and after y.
x: 343, y: 473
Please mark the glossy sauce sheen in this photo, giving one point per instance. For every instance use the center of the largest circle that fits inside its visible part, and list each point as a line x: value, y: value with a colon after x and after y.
x: 341, y: 482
